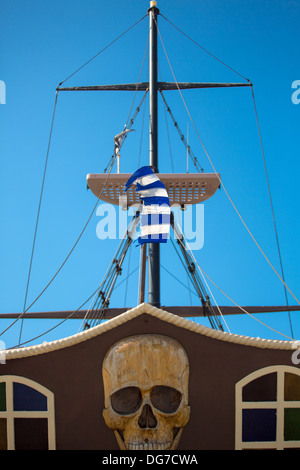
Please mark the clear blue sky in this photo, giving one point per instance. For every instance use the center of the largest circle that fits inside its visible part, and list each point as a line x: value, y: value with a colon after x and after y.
x: 42, y: 43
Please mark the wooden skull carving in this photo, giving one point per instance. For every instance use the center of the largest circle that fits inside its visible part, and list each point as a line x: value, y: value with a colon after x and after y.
x: 146, y: 392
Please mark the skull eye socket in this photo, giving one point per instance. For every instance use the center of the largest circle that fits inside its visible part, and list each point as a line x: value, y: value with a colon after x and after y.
x: 126, y: 400
x: 165, y: 399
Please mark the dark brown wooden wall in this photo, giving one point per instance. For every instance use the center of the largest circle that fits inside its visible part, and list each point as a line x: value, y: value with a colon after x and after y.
x: 74, y: 374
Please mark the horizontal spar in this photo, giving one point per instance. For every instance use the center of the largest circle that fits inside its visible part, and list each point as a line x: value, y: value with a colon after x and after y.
x: 145, y: 86
x: 189, y: 311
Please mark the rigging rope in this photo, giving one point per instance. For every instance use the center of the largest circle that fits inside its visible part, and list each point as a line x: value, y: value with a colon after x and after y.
x: 241, y: 308
x: 141, y: 137
x: 182, y: 138
x: 103, y: 298
x: 102, y: 50
x: 139, y: 79
x: 272, y: 208
x: 169, y: 141
x: 181, y: 240
x: 167, y: 128
x: 56, y: 326
x: 38, y: 212
x: 128, y: 267
x: 180, y: 282
x: 71, y: 314
x: 223, y: 186
x: 205, y: 50
x: 45, y: 168
x: 200, y: 290
x: 109, y: 167
x: 65, y: 260
x: 104, y: 280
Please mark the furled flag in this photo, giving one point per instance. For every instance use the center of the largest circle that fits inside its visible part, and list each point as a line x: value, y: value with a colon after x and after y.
x: 155, y: 216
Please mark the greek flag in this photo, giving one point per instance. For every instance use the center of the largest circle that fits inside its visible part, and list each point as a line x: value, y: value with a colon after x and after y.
x: 155, y: 216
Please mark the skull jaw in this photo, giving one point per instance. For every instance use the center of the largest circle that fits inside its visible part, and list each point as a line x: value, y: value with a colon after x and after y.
x: 149, y: 445
x: 131, y: 437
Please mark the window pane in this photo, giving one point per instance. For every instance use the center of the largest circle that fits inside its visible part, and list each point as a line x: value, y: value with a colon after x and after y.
x: 292, y: 424
x: 259, y: 425
x: 3, y: 434
x: 28, y: 399
x: 2, y: 397
x: 31, y: 434
x: 292, y: 387
x: 262, y: 389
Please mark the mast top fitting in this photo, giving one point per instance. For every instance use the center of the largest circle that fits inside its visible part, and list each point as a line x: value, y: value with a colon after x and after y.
x: 153, y: 6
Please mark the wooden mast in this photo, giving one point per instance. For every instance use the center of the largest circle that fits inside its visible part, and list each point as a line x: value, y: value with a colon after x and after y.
x: 154, y: 248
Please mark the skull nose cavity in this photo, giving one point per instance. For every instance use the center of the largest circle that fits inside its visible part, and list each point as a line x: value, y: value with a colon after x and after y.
x: 147, y: 418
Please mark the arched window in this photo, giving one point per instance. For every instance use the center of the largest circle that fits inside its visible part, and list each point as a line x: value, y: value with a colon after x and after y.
x: 268, y: 409
x: 26, y: 415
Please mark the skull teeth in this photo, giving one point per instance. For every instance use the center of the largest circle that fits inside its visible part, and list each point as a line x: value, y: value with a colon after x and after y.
x: 148, y: 446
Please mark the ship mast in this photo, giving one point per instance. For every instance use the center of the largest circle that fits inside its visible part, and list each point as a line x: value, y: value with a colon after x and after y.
x: 153, y: 248
x: 185, y: 188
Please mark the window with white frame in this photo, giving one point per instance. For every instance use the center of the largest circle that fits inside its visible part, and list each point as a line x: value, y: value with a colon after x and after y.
x: 26, y: 415
x: 268, y: 409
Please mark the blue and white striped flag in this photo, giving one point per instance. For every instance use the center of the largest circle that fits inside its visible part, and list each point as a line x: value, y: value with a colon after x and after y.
x: 155, y: 216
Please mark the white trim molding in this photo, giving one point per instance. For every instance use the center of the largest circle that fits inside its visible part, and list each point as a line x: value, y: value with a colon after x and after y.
x: 155, y: 312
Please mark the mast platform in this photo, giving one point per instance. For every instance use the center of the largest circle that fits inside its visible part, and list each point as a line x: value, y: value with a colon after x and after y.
x: 182, y: 188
